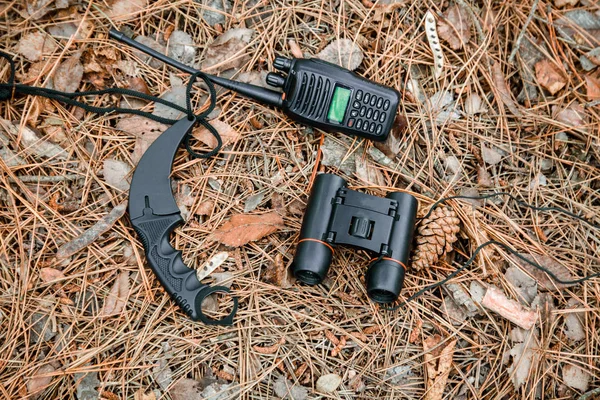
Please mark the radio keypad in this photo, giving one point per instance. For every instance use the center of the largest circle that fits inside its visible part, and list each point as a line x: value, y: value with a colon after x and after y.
x: 372, y: 112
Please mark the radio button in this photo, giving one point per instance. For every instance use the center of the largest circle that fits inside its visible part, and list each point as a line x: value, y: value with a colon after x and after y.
x: 373, y: 101
x: 369, y: 113
x: 354, y: 113
x: 372, y: 127
x: 382, y: 117
x: 356, y: 104
x: 379, y: 129
x: 386, y: 105
x: 376, y: 115
x: 379, y: 102
x: 358, y: 124
x: 367, y: 98
x: 363, y: 110
x: 351, y: 122
x: 358, y: 95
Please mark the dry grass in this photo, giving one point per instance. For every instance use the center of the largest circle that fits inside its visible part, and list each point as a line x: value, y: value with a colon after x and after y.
x: 124, y: 349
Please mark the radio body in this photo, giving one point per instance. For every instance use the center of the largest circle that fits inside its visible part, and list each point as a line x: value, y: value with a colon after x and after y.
x: 334, y: 99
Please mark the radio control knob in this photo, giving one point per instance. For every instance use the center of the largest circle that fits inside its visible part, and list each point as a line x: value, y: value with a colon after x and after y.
x: 275, y: 80
x: 282, y: 64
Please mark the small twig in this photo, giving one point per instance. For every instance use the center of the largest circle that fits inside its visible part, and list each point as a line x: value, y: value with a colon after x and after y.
x: 517, y: 45
x: 45, y: 179
x: 589, y: 395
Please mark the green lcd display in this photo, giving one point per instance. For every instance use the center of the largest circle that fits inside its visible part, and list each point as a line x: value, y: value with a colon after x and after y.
x: 339, y: 102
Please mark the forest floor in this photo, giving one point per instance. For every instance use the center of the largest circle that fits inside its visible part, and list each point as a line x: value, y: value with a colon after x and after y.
x: 495, y: 97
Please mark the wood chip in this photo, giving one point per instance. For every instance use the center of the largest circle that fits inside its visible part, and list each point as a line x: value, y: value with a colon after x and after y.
x: 495, y: 300
x: 245, y: 228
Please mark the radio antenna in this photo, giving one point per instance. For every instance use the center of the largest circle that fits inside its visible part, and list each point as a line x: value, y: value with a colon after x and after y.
x: 261, y: 94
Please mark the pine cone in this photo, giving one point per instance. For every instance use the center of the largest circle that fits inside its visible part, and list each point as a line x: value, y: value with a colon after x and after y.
x: 435, y: 237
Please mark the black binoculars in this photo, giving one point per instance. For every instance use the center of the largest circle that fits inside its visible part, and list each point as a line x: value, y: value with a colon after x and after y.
x: 337, y: 215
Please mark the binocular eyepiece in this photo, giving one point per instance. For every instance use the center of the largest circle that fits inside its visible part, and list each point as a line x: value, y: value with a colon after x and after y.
x: 337, y: 215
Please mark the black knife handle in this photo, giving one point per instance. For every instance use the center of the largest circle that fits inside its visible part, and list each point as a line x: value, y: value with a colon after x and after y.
x: 178, y: 280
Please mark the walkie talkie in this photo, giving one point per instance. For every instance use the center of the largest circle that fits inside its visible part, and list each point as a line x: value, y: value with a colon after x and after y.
x: 315, y: 92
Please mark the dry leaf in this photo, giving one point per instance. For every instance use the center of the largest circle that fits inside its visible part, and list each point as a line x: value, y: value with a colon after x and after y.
x: 244, y: 228
x: 228, y: 134
x: 474, y: 104
x: 505, y: 97
x: 576, y: 377
x: 86, y: 384
x: 562, y: 3
x: 549, y: 76
x: 335, y: 154
x: 181, y: 47
x: 541, y: 277
x: 484, y: 178
x: 32, y: 143
x: 227, y: 51
x: 40, y: 380
x: 393, y: 144
x: 496, y: 301
x: 51, y: 274
x: 328, y: 383
x: 124, y: 10
x: 186, y: 389
x: 438, y: 364
x: 573, y: 115
x: 456, y: 27
x: 342, y: 52
x: 145, y: 130
x: 34, y: 45
x: 138, y: 125
x: 117, y: 298
x: 580, y: 28
x: 205, y: 207
x: 116, y: 172
x: 285, y: 389
x: 92, y: 233
x: 367, y: 172
x: 490, y: 155
x: 524, y: 356
x: 36, y: 9
x: 592, y: 86
x: 68, y: 74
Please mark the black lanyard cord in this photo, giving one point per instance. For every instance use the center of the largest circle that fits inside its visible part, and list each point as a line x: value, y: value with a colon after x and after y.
x: 9, y: 89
